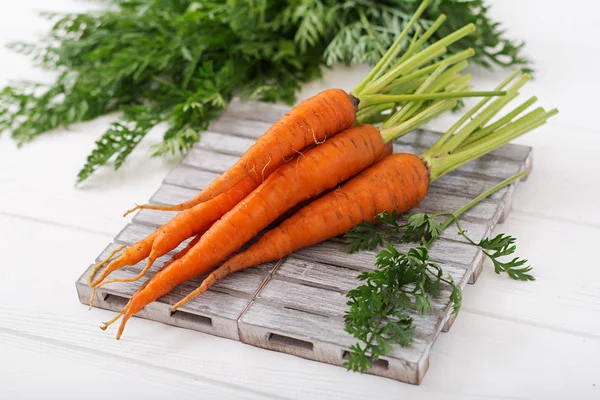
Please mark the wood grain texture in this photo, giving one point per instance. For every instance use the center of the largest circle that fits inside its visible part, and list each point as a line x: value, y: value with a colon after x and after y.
x: 296, y: 306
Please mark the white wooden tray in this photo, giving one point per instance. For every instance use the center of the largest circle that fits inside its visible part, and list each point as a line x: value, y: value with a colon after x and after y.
x: 296, y: 305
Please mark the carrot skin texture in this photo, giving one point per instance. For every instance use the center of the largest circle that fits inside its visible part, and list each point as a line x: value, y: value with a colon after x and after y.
x: 398, y: 182
x: 346, y: 155
x: 184, y: 251
x: 387, y: 150
x: 312, y: 121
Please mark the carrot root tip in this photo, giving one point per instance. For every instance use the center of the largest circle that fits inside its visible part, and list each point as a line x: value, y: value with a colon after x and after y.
x: 116, y: 317
x: 137, y: 207
x: 122, y: 326
x: 92, y: 299
x: 96, y: 267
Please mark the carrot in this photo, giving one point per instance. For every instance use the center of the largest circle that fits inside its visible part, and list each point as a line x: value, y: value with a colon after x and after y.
x: 184, y: 251
x: 312, y: 121
x: 99, y: 265
x: 396, y: 183
x: 198, y: 218
x: 445, y: 83
x: 332, y: 111
x: 184, y: 225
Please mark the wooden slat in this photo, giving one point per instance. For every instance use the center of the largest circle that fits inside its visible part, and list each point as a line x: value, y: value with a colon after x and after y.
x: 154, y: 218
x: 209, y: 160
x: 237, y: 126
x: 188, y: 177
x: 216, y: 313
x: 256, y: 110
x: 172, y: 194
x: 224, y: 144
x: 336, y: 278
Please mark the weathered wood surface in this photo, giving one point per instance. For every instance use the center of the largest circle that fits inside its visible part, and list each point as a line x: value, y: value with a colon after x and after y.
x: 296, y: 306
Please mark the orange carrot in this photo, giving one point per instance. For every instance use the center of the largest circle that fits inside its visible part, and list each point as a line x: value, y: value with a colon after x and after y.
x: 312, y: 121
x: 184, y: 225
x: 398, y: 182
x: 184, y: 251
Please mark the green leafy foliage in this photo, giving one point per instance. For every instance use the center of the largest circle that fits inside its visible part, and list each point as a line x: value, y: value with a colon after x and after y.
x: 181, y: 61
x: 363, y: 28
x: 422, y: 227
x: 404, y: 282
x: 380, y: 309
x: 500, y: 246
x: 368, y: 236
x: 388, y: 227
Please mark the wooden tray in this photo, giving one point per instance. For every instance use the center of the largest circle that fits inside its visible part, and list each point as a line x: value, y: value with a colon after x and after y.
x: 296, y: 305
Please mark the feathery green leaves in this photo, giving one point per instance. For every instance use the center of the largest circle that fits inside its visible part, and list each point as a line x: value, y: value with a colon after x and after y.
x: 181, y: 61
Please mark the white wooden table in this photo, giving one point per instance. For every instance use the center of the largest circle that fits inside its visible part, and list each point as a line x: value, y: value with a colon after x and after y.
x: 511, y: 340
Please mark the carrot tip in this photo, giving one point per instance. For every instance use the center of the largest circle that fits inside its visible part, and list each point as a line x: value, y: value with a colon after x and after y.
x: 122, y: 326
x: 92, y: 299
x: 176, y: 306
x: 96, y: 267
x: 137, y: 207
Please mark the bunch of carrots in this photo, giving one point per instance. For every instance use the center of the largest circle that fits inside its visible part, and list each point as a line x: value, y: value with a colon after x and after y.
x: 324, y: 142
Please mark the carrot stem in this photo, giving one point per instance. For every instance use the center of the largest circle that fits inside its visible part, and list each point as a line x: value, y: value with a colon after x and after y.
x: 481, y: 133
x: 433, y: 51
x: 454, y: 215
x: 429, y: 85
x: 436, y: 147
x: 431, y: 112
x: 392, y: 51
x: 463, y: 55
x: 483, y: 117
x: 377, y: 99
x: 417, y: 44
x: 414, y: 40
x: 444, y: 164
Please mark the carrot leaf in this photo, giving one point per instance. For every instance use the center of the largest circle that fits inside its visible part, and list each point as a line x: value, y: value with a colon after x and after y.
x: 381, y: 310
x: 500, y: 246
